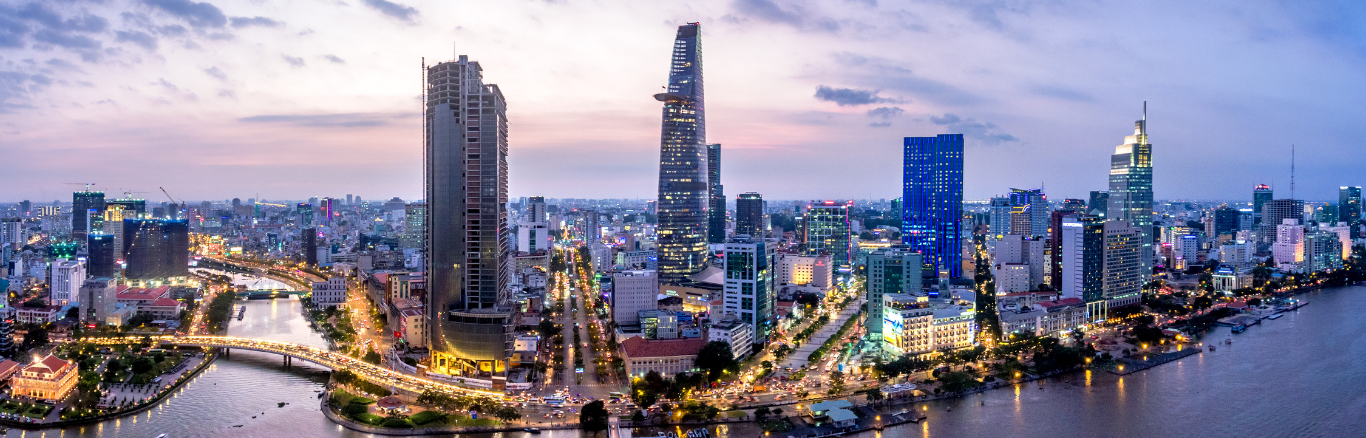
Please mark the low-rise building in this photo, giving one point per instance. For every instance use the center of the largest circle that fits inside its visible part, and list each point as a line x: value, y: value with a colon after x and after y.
x: 37, y: 315
x: 668, y: 357
x: 739, y: 335
x: 48, y: 379
x: 918, y: 324
x: 333, y: 292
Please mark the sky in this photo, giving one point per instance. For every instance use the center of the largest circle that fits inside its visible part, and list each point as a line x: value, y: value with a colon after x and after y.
x: 809, y: 99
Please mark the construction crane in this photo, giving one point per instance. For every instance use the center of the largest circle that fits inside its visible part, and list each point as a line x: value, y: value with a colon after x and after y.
x: 87, y: 185
x: 173, y: 201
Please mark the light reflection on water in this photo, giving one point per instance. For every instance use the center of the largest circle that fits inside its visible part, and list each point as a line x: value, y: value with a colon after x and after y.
x: 1316, y: 355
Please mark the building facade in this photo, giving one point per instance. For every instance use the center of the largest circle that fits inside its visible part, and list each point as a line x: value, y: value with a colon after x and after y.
x: 827, y: 230
x: 684, y: 189
x: 749, y: 215
x: 632, y: 292
x: 468, y: 243
x: 49, y: 379
x: 932, y: 194
x: 716, y: 214
x: 1123, y: 282
x: 748, y: 292
x: 1131, y: 191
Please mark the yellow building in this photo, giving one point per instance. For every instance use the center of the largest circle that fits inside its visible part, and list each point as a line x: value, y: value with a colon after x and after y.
x: 49, y: 379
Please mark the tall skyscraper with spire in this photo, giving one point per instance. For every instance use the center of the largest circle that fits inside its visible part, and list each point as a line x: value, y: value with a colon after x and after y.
x: 1131, y: 190
x: 684, y: 186
x: 466, y: 133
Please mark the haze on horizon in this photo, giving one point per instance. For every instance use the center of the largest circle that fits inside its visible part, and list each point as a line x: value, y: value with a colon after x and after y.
x: 809, y: 99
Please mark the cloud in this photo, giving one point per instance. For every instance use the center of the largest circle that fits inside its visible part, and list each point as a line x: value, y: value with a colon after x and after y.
x: 197, y: 14
x: 240, y: 22
x: 399, y: 11
x: 85, y: 23
x: 147, y: 41
x: 293, y: 60
x: 334, y: 58
x: 885, y: 112
x: 216, y: 72
x: 1062, y: 93
x: 165, y: 83
x: 887, y: 74
x: 66, y: 40
x: 62, y: 64
x: 880, y: 124
x: 987, y: 132
x: 12, y: 31
x: 767, y: 10
x: 850, y: 96
x: 350, y: 120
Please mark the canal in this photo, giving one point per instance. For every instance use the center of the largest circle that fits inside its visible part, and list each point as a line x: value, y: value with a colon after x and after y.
x: 1300, y: 375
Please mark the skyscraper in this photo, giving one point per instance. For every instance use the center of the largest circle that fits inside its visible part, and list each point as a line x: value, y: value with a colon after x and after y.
x: 1123, y: 270
x: 1131, y: 190
x: 1260, y: 195
x: 684, y: 189
x: 308, y: 243
x: 1225, y: 221
x: 81, y: 205
x: 749, y: 292
x: 1083, y: 262
x: 156, y: 249
x: 890, y: 271
x: 103, y: 250
x: 827, y: 232
x: 716, y: 216
x: 1099, y: 204
x: 1030, y: 204
x: 1274, y: 213
x: 933, y: 193
x: 1349, y: 204
x: 466, y: 133
x: 999, y: 217
x: 749, y: 215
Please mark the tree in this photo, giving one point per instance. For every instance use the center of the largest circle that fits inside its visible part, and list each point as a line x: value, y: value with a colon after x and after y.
x: 507, y: 413
x: 875, y: 395
x: 73, y: 313
x: 716, y: 358
x: 372, y: 357
x: 593, y: 417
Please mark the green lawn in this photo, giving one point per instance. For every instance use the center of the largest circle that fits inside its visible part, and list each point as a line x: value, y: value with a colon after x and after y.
x: 735, y: 414
x: 425, y: 417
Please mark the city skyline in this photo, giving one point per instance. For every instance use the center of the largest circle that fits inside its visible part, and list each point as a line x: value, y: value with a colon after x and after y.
x: 319, y: 102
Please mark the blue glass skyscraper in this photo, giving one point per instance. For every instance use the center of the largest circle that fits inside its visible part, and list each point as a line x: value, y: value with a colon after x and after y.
x: 685, y: 190
x: 933, y: 200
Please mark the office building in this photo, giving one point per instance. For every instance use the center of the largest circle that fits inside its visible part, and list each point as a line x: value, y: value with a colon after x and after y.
x: 1322, y: 251
x: 890, y: 271
x: 1055, y: 220
x: 156, y: 249
x: 536, y: 210
x: 632, y: 292
x: 1099, y: 204
x: 807, y: 273
x: 1124, y: 280
x: 1225, y: 221
x: 1083, y: 258
x: 1349, y: 205
x: 1288, y: 249
x: 305, y: 213
x: 1029, y: 212
x: 1274, y: 214
x: 533, y: 237
x: 826, y: 225
x: 414, y: 226
x: 98, y: 298
x: 749, y: 215
x: 748, y: 292
x: 1261, y: 194
x: 738, y: 334
x: 998, y: 214
x: 590, y: 228
x: 103, y: 257
x: 1018, y: 263
x: 932, y: 191
x: 132, y: 208
x: 67, y: 278
x: 684, y: 189
x: 308, y: 244
x: 1131, y: 191
x: 716, y: 215
x: 469, y: 311
x: 82, y: 204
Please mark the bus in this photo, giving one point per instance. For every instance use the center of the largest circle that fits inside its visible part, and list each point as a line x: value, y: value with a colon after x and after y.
x: 554, y: 401
x: 616, y: 396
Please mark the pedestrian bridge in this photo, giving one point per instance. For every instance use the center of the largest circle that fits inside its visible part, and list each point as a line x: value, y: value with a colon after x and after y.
x: 335, y: 361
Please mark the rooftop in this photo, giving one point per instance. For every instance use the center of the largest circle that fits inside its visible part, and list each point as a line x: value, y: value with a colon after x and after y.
x: 641, y: 348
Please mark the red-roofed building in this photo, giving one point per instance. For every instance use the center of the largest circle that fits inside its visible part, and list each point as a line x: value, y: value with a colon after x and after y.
x: 48, y: 379
x: 667, y: 356
x: 155, y: 302
x: 8, y: 368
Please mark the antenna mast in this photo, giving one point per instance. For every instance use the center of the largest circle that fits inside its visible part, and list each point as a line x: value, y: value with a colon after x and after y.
x: 1292, y: 171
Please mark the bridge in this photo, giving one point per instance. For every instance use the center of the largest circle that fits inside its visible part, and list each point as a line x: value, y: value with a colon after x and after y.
x: 335, y: 361
x: 271, y: 293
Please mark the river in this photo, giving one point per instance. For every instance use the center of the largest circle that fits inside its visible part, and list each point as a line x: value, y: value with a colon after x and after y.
x: 1300, y: 375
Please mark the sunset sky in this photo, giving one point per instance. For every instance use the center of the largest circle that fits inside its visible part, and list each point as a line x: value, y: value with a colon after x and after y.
x: 291, y: 99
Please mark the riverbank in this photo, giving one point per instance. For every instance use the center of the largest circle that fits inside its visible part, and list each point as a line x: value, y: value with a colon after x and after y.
x: 135, y: 409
